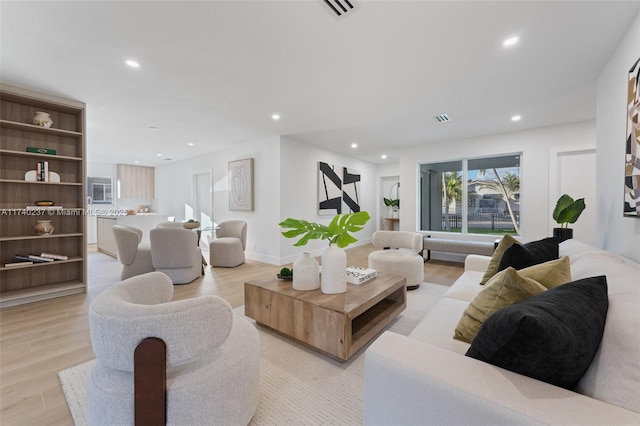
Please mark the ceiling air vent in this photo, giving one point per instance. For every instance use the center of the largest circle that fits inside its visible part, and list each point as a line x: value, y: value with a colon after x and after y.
x: 339, y: 7
x: 442, y: 118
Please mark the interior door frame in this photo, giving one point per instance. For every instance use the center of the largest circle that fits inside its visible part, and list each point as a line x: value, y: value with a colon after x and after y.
x: 195, y: 199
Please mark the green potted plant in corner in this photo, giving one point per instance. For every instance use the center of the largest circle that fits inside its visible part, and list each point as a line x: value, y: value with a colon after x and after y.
x: 393, y: 204
x: 334, y: 258
x: 567, y: 211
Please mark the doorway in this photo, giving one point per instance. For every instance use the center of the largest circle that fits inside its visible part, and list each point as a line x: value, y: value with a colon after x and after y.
x: 575, y: 175
x: 202, y: 201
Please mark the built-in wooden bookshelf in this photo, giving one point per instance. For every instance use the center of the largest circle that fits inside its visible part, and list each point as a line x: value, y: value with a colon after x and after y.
x: 31, y: 282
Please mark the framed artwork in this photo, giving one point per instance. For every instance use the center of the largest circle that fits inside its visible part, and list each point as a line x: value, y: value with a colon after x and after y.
x: 338, y: 189
x: 241, y: 184
x: 632, y: 152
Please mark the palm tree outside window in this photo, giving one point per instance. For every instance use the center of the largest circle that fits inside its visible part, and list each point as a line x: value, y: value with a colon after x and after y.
x: 489, y: 202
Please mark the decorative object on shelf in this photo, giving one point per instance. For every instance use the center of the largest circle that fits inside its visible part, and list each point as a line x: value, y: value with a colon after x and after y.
x: 44, y: 203
x: 334, y: 259
x: 567, y: 211
x: 44, y: 227
x: 32, y: 176
x: 42, y: 119
x: 241, y: 184
x: 285, y: 274
x: 631, y: 206
x: 191, y: 224
x: 36, y: 150
x: 306, y: 273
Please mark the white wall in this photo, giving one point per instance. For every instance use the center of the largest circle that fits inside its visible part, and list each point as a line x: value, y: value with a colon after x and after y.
x: 534, y: 144
x: 298, y: 188
x: 615, y: 233
x: 173, y: 192
x: 285, y: 185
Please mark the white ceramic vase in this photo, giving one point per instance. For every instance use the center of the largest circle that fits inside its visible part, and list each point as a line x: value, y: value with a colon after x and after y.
x: 334, y: 270
x: 42, y: 119
x: 306, y: 273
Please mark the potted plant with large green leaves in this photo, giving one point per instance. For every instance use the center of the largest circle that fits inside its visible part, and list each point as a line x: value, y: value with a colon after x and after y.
x: 334, y: 258
x: 567, y: 211
x: 393, y: 204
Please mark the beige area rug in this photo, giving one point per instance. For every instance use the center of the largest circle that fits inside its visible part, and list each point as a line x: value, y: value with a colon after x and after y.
x: 297, y: 384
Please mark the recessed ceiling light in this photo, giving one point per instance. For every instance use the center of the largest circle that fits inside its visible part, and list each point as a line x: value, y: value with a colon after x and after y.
x: 354, y: 145
x: 510, y: 41
x: 159, y: 155
x: 190, y: 144
x: 275, y: 117
x: 516, y: 118
x: 383, y: 156
x: 132, y: 64
x: 153, y: 128
x: 136, y: 162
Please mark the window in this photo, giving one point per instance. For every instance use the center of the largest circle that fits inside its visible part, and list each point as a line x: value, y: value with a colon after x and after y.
x: 489, y: 202
x: 99, y: 190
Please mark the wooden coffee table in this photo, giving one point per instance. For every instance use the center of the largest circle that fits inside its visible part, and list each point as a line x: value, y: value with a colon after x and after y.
x: 335, y: 324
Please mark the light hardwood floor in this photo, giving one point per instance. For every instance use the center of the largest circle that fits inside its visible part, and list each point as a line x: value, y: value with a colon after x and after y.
x: 40, y: 339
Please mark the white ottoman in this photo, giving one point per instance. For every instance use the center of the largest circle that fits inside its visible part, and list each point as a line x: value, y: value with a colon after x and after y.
x: 399, y: 262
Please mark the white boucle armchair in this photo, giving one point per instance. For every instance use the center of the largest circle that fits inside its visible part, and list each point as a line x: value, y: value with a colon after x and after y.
x: 227, y: 250
x: 135, y: 257
x: 212, y: 356
x: 398, y: 254
x: 175, y: 252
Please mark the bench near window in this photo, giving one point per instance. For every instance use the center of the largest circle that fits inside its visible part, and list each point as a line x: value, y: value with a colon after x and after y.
x: 457, y: 246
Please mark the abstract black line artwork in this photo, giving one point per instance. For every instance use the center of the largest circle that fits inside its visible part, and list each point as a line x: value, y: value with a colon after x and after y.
x: 632, y: 152
x: 241, y: 184
x: 329, y: 190
x: 338, y: 189
x: 351, y: 190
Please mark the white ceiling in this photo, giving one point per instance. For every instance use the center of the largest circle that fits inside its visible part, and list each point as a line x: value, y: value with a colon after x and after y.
x: 212, y: 72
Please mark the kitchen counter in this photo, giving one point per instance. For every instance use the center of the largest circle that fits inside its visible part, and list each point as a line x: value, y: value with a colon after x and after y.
x: 142, y: 221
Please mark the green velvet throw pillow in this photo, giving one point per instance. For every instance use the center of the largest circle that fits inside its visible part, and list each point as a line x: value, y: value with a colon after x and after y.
x: 506, y: 242
x: 550, y: 274
x: 503, y: 289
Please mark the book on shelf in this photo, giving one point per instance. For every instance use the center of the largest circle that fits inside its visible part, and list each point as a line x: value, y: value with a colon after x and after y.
x: 15, y: 264
x: 29, y: 259
x: 37, y: 150
x: 54, y: 256
x: 40, y: 258
x: 42, y: 171
x: 359, y: 275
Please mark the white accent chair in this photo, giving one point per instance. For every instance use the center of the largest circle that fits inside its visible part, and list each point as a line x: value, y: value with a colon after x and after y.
x: 175, y: 252
x: 212, y: 355
x: 227, y: 249
x: 398, y: 254
x: 135, y: 258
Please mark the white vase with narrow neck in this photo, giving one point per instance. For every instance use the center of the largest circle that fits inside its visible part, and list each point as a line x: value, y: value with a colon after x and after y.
x: 333, y: 279
x: 306, y: 273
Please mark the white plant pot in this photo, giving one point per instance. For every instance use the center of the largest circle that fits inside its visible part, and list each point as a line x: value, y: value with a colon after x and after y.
x: 306, y: 273
x: 334, y: 270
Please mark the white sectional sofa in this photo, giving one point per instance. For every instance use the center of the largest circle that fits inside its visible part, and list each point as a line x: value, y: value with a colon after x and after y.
x: 426, y: 379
